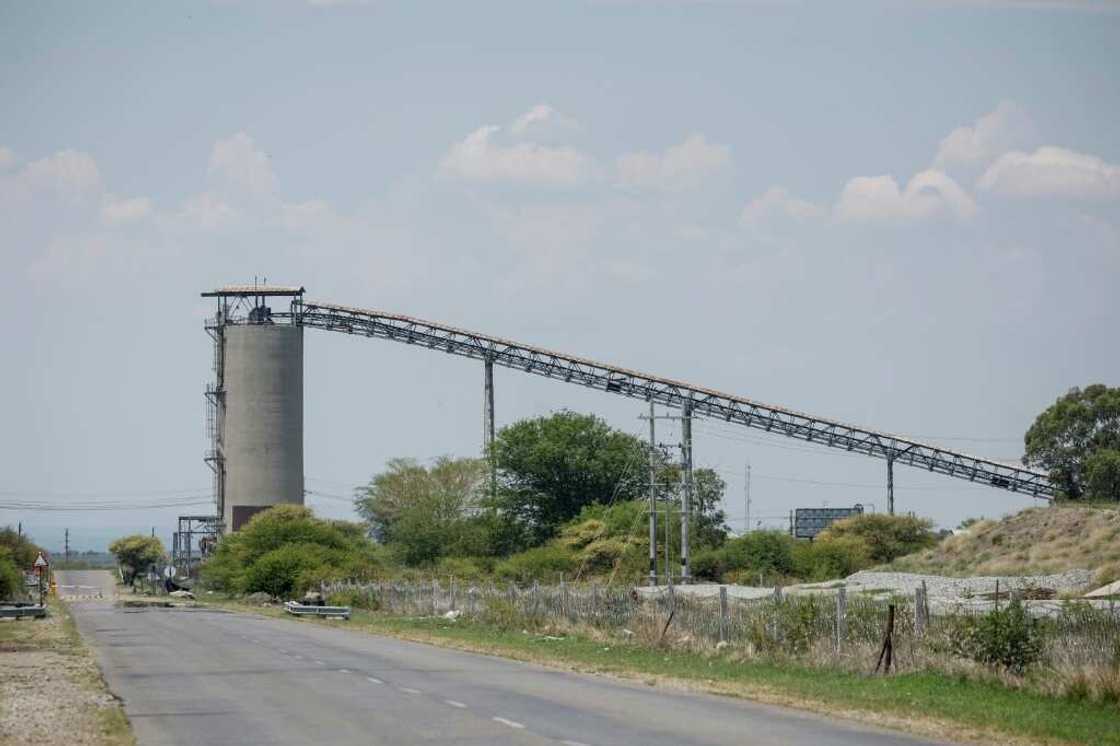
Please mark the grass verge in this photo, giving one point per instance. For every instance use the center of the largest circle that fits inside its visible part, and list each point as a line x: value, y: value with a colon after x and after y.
x: 929, y: 703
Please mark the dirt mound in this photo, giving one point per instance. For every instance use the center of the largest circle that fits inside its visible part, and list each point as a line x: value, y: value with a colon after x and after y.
x: 1037, y: 541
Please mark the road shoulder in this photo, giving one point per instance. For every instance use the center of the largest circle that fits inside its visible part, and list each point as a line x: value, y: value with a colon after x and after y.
x: 52, y: 691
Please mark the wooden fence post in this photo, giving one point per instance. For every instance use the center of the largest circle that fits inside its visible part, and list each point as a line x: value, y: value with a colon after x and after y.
x: 886, y: 653
x: 841, y: 618
x: 723, y: 615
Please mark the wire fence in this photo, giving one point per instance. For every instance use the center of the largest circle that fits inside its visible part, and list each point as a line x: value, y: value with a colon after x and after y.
x: 834, y: 623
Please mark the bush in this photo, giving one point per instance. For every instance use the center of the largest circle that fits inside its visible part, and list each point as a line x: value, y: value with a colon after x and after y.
x: 539, y: 563
x: 886, y: 536
x: 1006, y: 637
x: 285, y: 550
x: 22, y: 550
x: 830, y: 558
x: 355, y: 599
x: 286, y: 571
x: 11, y: 579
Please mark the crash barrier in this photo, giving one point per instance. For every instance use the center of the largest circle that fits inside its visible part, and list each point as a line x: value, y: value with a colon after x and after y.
x: 298, y: 609
x: 19, y: 612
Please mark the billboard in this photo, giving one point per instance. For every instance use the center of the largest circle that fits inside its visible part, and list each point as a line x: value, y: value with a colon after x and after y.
x: 808, y: 522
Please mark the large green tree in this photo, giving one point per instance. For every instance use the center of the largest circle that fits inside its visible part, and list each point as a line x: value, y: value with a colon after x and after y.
x: 1077, y: 440
x: 550, y: 467
x: 425, y: 513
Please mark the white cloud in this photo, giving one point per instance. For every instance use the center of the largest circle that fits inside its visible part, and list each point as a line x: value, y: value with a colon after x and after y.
x: 683, y: 166
x: 7, y: 158
x: 928, y: 194
x: 115, y: 211
x: 481, y: 158
x: 239, y: 165
x: 69, y: 172
x: 1002, y: 129
x: 1052, y: 172
x: 208, y: 211
x: 777, y: 202
x: 543, y: 121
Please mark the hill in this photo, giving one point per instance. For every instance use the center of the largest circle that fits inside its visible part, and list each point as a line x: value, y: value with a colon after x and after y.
x: 1035, y: 541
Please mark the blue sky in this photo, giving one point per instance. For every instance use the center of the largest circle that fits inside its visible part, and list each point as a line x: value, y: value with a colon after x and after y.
x: 903, y: 215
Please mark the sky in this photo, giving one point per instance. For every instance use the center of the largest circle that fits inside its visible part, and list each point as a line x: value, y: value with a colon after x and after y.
x: 898, y: 215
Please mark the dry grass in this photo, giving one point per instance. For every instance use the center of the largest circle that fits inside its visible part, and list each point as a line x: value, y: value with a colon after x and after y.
x: 1036, y: 541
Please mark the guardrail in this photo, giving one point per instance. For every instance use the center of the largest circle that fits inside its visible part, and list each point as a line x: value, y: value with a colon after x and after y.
x: 20, y: 612
x: 299, y: 609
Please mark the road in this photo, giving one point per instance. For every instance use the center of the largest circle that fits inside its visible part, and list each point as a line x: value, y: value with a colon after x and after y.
x: 203, y: 676
x: 75, y: 585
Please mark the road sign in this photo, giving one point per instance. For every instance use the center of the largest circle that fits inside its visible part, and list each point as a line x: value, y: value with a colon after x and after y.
x: 40, y: 561
x: 808, y: 522
x: 169, y: 572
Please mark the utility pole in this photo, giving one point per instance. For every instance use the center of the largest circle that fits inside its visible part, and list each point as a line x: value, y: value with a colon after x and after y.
x: 652, y: 497
x: 67, y: 545
x: 488, y: 421
x: 686, y: 493
x: 890, y: 484
x: 747, y: 525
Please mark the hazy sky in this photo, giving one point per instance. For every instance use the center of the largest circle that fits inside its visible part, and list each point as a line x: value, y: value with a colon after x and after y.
x: 901, y: 215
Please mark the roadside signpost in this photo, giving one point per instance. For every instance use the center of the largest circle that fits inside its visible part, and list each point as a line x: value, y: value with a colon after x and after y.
x: 42, y: 569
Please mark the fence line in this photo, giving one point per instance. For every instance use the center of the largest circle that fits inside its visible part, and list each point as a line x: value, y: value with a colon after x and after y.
x: 782, y: 623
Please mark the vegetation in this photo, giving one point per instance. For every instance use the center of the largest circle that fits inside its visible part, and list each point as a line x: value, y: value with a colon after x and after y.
x: 136, y: 554
x: 285, y: 550
x: 1077, y: 440
x: 1006, y: 637
x: 17, y: 554
x: 887, y: 537
x: 1036, y: 541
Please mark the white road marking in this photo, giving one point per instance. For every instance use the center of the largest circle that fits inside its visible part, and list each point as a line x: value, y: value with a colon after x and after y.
x: 321, y: 663
x: 344, y: 670
x: 510, y: 723
x: 297, y: 656
x: 283, y: 652
x: 573, y: 743
x: 372, y: 680
x: 453, y: 703
x: 255, y: 642
x: 409, y: 690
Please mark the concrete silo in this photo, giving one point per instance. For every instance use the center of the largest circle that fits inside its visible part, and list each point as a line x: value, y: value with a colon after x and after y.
x: 256, y: 401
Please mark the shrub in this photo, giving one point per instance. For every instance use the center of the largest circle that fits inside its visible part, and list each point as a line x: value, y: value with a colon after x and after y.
x: 286, y: 549
x: 886, y: 536
x: 11, y: 579
x: 831, y: 558
x: 1006, y: 637
x: 287, y: 570
x: 538, y: 563
x: 356, y: 599
x: 464, y: 568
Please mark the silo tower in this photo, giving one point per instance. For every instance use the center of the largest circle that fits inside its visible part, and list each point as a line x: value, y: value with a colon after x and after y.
x: 255, y: 404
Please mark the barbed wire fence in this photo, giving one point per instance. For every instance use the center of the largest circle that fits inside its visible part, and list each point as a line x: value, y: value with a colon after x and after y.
x: 837, y: 625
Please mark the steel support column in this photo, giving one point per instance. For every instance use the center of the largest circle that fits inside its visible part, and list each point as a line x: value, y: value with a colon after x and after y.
x: 686, y: 493
x: 488, y: 421
x: 890, y: 485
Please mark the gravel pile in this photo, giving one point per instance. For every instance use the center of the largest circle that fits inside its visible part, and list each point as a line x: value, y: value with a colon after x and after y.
x: 941, y: 587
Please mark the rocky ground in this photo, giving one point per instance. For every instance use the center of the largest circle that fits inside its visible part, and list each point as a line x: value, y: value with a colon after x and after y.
x: 51, y: 692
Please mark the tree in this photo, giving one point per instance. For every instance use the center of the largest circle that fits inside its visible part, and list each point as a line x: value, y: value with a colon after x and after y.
x: 427, y: 513
x: 1077, y: 440
x: 136, y: 553
x: 551, y: 467
x: 886, y: 536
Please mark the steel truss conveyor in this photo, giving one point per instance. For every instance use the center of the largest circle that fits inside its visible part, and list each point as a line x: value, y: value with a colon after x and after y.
x: 692, y: 399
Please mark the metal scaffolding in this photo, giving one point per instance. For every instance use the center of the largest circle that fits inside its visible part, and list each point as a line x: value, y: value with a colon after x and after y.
x: 676, y: 394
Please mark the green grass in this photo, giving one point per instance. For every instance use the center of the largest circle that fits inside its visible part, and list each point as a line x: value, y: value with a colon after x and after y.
x: 929, y: 703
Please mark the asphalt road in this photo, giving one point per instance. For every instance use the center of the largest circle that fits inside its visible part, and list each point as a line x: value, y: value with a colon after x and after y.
x: 74, y: 585
x: 213, y: 677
